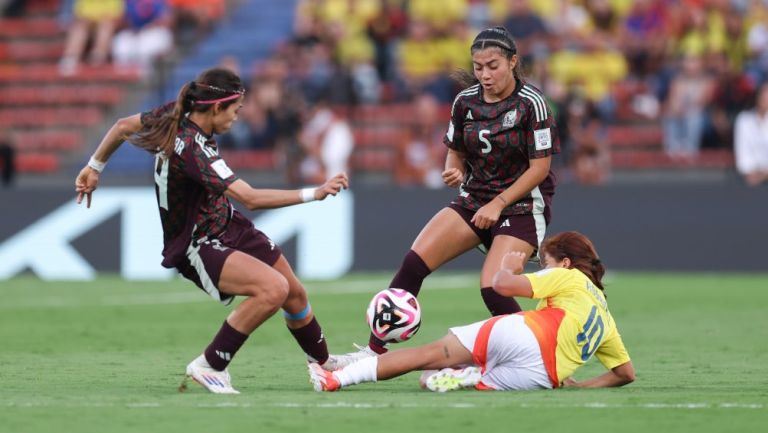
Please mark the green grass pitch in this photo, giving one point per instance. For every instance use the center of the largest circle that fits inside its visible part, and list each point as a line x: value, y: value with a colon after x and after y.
x: 108, y: 356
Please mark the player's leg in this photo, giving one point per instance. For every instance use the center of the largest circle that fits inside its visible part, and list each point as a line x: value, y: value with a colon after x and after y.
x: 498, y: 304
x: 513, y: 233
x: 446, y: 352
x: 223, y: 273
x: 446, y: 236
x: 300, y: 318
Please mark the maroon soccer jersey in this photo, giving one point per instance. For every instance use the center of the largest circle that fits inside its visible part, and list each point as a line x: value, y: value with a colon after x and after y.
x: 190, y: 186
x: 498, y: 140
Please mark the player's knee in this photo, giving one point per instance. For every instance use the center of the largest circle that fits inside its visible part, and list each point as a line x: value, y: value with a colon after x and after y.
x: 275, y: 292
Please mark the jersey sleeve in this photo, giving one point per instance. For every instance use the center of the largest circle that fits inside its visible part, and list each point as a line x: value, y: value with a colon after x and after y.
x: 612, y: 352
x: 541, y: 138
x: 149, y: 117
x: 206, y: 167
x: 454, y: 138
x: 548, y: 282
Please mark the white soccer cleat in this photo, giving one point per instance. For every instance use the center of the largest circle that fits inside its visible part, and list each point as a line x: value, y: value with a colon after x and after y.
x: 450, y: 379
x: 336, y: 362
x: 322, y: 380
x: 217, y: 382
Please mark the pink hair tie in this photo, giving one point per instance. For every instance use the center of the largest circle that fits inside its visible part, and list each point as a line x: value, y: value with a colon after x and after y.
x: 226, y: 98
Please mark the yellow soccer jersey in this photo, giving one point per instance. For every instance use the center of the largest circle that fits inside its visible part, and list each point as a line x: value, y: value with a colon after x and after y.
x: 572, y: 322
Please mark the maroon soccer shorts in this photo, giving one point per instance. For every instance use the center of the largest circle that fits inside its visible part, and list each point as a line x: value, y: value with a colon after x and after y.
x: 206, y: 256
x: 530, y: 228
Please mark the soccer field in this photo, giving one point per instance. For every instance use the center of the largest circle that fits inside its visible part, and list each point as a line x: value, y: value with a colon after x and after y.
x: 108, y: 356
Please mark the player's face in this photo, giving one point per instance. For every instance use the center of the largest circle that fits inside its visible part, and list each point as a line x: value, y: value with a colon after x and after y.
x: 549, y: 262
x: 224, y: 118
x: 494, y: 71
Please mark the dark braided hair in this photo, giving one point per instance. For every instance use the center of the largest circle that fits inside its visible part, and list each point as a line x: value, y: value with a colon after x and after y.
x: 491, y: 38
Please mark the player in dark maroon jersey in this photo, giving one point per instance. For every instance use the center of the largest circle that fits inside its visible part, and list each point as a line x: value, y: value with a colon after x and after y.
x: 205, y: 238
x: 501, y: 139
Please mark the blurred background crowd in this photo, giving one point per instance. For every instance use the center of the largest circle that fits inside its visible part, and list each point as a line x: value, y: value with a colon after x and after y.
x: 365, y: 85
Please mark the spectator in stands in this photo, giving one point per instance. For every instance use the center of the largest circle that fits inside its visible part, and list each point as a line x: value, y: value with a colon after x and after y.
x: 585, y: 139
x: 327, y: 142
x: 644, y: 38
x: 421, y: 154
x: 527, y: 28
x: 384, y: 30
x: 96, y: 19
x: 146, y: 36
x: 7, y: 160
x: 194, y: 18
x: 751, y: 140
x: 684, y: 114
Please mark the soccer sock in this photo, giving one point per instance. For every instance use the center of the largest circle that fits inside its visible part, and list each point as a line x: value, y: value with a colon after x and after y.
x: 224, y: 346
x: 411, y: 274
x: 312, y: 341
x: 409, y: 277
x: 498, y: 304
x: 361, y: 371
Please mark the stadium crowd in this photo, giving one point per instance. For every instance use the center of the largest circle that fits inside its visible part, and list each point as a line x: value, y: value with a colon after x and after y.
x: 690, y: 65
x: 684, y: 67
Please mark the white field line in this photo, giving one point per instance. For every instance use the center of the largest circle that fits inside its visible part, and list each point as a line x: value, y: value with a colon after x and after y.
x: 194, y: 295
x: 409, y: 405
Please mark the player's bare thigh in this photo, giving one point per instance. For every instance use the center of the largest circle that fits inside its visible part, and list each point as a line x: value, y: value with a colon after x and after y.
x: 245, y: 275
x: 445, y: 237
x: 501, y: 245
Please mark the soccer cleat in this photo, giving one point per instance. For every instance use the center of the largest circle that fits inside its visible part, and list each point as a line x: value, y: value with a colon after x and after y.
x: 450, y: 379
x: 336, y: 362
x: 217, y: 382
x: 321, y: 379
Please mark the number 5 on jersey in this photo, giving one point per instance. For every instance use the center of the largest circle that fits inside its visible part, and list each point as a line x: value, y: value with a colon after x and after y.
x: 481, y: 135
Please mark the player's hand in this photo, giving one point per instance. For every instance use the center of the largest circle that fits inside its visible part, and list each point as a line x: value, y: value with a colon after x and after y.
x: 570, y: 383
x: 453, y: 177
x: 332, y: 186
x: 488, y: 215
x: 85, y: 183
x: 514, y: 261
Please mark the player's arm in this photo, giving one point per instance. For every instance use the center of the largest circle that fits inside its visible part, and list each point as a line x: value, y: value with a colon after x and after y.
x: 253, y: 198
x: 537, y: 171
x: 508, y: 281
x: 88, y: 179
x: 453, y: 174
x: 617, y: 376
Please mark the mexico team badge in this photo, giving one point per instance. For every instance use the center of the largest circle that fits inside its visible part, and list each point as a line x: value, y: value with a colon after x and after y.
x: 509, y: 119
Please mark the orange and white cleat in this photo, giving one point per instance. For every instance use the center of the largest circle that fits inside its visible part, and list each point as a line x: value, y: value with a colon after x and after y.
x: 321, y: 379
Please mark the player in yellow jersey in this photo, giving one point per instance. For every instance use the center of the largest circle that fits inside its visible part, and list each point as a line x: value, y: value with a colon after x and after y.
x: 535, y: 349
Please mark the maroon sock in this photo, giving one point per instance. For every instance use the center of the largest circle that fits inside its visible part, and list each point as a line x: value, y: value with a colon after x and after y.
x: 312, y: 341
x: 409, y: 277
x: 224, y: 346
x: 411, y: 274
x: 498, y: 304
x: 377, y: 345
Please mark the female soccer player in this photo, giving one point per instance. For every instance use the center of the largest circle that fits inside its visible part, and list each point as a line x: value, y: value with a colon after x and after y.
x: 501, y: 139
x: 205, y: 238
x: 538, y: 349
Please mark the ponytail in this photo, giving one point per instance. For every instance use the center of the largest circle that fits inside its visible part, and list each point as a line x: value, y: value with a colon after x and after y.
x: 159, y: 135
x: 215, y: 86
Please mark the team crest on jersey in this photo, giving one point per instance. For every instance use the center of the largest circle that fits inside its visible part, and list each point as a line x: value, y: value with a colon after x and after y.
x: 509, y: 119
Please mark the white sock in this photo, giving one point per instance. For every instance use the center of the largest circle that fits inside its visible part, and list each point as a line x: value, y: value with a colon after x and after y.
x: 360, y: 371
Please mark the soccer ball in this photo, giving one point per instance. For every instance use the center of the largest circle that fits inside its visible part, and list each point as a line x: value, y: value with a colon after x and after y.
x: 394, y: 315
